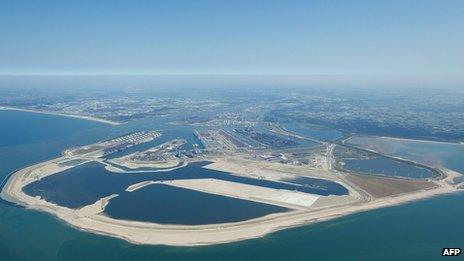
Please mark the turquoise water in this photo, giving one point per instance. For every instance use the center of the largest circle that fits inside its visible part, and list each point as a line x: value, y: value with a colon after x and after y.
x: 450, y: 155
x: 416, y: 231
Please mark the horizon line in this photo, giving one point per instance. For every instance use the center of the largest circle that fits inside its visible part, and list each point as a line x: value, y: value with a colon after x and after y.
x: 221, y: 74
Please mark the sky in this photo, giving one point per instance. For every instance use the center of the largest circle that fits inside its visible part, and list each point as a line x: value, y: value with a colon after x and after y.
x: 349, y: 37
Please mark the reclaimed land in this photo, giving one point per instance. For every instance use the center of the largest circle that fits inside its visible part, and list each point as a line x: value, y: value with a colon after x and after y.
x: 90, y: 218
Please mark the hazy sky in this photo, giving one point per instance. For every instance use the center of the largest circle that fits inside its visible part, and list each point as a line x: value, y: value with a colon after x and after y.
x: 238, y: 37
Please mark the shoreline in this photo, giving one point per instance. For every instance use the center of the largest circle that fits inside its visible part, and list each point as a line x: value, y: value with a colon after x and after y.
x: 424, y: 141
x: 187, y: 235
x: 82, y: 117
x: 349, y: 137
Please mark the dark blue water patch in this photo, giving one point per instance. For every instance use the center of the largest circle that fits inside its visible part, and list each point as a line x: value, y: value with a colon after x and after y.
x: 318, y: 184
x: 87, y: 183
x: 387, y: 167
x: 165, y: 204
x: 458, y: 180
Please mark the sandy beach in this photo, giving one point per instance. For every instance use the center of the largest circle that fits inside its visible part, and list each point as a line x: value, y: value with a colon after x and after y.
x: 89, y: 218
x: 84, y: 117
x: 405, y: 139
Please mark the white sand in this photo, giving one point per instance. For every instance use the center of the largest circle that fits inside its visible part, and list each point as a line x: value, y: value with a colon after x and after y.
x: 84, y: 117
x: 90, y: 218
x: 284, y: 198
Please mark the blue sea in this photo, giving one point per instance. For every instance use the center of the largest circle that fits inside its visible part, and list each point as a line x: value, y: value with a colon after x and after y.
x: 414, y: 231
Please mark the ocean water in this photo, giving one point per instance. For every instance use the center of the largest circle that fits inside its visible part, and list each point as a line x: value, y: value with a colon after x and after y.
x: 414, y: 231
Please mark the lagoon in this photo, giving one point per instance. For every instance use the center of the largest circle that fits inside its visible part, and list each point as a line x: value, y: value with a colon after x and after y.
x: 164, y: 204
x: 450, y: 155
x: 387, y: 167
x: 87, y: 183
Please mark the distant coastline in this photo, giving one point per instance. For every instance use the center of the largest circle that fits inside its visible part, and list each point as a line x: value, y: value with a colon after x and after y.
x: 418, y: 140
x: 424, y: 141
x: 84, y: 117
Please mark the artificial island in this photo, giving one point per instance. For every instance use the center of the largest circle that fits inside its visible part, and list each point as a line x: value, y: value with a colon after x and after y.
x: 218, y: 185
